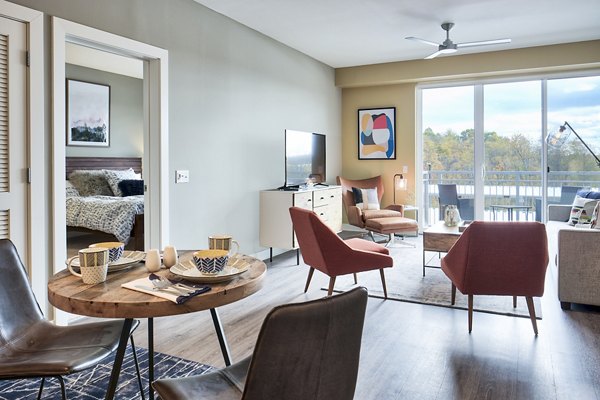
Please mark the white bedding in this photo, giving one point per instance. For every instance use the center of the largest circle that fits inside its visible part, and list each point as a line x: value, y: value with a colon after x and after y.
x: 114, y: 215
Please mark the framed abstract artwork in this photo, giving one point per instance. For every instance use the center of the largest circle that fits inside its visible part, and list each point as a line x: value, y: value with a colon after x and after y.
x: 88, y: 114
x: 377, y: 133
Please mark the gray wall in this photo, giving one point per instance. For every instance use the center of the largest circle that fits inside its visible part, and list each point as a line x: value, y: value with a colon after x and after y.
x: 232, y: 93
x: 126, y: 114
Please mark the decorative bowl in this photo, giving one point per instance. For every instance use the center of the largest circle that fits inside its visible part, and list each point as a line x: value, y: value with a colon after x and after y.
x: 211, y: 261
x: 115, y: 249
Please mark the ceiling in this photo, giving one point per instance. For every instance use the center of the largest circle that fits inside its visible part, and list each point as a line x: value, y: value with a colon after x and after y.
x: 343, y: 33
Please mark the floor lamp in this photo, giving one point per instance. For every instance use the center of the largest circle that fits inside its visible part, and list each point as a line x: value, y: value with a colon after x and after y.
x: 400, y: 183
x: 559, y: 137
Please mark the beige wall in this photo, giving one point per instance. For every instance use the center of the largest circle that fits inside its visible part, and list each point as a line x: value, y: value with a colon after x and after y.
x: 394, y: 84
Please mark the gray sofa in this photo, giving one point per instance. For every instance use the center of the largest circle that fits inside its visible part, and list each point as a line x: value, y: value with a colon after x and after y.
x: 576, y: 252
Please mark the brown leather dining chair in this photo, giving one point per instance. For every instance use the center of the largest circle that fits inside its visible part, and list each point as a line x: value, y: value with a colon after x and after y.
x: 324, y: 250
x: 499, y: 259
x: 32, y: 347
x: 304, y: 351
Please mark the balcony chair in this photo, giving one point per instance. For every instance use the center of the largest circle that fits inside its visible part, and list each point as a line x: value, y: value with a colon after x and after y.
x: 499, y: 258
x: 304, y: 351
x: 387, y: 221
x: 324, y: 250
x: 449, y: 196
x: 567, y: 195
x: 32, y: 347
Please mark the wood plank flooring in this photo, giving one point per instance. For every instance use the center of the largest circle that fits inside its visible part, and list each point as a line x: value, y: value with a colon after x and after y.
x: 412, y: 351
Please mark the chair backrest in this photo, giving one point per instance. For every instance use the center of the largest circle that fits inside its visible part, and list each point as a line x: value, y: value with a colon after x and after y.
x: 309, y: 350
x: 348, y: 184
x: 448, y: 194
x: 321, y: 247
x: 568, y: 193
x: 499, y: 258
x: 19, y: 308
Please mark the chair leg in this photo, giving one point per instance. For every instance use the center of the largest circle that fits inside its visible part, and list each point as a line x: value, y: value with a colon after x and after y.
x: 62, y: 387
x: 470, y: 313
x: 453, y: 294
x: 383, y: 282
x: 372, y: 237
x: 331, y: 285
x: 137, y: 367
x: 355, y: 279
x: 514, y: 301
x: 310, y: 274
x: 531, y: 308
x: 41, y: 389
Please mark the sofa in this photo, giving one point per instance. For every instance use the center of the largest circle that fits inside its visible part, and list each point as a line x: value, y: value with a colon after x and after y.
x: 576, y: 253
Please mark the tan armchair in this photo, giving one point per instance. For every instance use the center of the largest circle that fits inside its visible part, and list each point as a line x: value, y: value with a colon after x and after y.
x: 389, y: 220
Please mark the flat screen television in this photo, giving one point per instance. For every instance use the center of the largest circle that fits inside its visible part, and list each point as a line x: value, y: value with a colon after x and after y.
x: 304, y: 158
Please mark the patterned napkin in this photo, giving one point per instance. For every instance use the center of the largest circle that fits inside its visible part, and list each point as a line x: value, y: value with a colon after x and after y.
x: 144, y: 285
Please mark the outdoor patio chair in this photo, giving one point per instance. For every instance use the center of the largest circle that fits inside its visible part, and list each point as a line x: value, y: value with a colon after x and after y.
x: 448, y: 195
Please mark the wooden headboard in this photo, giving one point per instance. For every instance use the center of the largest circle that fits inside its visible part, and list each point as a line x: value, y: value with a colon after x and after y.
x: 73, y: 163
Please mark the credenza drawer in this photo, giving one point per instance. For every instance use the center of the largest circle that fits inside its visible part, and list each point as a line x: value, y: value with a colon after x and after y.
x: 326, y: 197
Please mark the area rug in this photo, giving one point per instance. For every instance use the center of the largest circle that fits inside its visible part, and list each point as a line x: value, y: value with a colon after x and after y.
x: 405, y: 282
x: 91, y: 384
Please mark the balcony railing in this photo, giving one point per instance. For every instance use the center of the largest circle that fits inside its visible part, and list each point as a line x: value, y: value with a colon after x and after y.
x: 504, y: 188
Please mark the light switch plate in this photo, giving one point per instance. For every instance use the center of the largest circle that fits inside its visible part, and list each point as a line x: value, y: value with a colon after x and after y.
x: 405, y: 169
x: 182, y: 176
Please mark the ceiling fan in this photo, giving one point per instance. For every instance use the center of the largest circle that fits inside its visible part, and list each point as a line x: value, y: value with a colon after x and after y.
x: 448, y: 46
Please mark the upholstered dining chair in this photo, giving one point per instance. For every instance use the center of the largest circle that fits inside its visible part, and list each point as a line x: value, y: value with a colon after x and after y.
x: 304, y: 351
x: 32, y: 347
x: 499, y: 258
x: 324, y: 250
x: 389, y: 220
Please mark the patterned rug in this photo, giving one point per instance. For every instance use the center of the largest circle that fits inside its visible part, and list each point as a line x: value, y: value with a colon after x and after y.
x: 91, y: 384
x: 405, y: 282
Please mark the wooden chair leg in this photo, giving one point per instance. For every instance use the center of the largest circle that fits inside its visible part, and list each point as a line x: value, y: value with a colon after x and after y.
x: 470, y: 313
x: 383, y: 282
x: 355, y: 279
x: 531, y: 309
x: 331, y: 285
x: 310, y: 274
x: 514, y: 301
x: 453, y: 294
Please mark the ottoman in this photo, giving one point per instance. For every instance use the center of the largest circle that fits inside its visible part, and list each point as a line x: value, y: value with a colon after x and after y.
x: 391, y: 225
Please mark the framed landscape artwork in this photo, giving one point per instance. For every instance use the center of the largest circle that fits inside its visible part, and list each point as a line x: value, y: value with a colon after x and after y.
x: 88, y: 114
x: 377, y: 133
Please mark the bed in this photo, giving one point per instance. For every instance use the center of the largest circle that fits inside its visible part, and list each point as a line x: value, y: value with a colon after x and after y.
x: 91, y: 204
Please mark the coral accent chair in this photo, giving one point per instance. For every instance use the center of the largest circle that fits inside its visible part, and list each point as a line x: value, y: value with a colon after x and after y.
x: 324, y: 250
x: 499, y: 258
x: 388, y: 220
x: 304, y: 351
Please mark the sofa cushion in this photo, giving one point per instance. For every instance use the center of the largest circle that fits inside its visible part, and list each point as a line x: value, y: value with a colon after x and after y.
x: 588, y: 194
x: 582, y: 207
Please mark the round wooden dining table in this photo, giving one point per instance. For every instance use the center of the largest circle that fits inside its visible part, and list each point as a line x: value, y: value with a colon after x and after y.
x: 67, y: 292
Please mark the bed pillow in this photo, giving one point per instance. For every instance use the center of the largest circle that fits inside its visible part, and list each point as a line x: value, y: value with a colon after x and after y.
x: 113, y: 177
x: 366, y: 199
x: 90, y: 183
x: 582, y: 206
x: 70, y: 190
x: 131, y: 187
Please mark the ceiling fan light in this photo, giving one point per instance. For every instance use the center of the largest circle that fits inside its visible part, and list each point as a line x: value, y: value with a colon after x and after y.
x: 448, y: 51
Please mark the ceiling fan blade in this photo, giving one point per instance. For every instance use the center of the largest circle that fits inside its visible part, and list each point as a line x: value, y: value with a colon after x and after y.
x: 416, y: 39
x: 483, y: 43
x: 429, y: 57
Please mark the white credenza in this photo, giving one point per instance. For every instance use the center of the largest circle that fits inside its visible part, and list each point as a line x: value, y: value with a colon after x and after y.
x: 276, y: 228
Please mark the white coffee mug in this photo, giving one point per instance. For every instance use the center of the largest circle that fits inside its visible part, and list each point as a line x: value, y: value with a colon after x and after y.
x: 93, y: 265
x: 152, y: 260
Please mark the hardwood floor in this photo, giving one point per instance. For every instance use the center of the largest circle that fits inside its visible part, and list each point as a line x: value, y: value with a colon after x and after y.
x: 413, y: 351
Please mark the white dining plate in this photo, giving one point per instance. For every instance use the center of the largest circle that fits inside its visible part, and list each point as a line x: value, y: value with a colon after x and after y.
x: 129, y: 259
x: 188, y: 271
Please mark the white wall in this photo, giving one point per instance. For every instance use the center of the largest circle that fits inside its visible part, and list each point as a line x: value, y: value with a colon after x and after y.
x: 233, y: 92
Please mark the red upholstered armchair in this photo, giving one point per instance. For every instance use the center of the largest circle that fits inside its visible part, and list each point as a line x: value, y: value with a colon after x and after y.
x: 499, y: 258
x: 324, y: 250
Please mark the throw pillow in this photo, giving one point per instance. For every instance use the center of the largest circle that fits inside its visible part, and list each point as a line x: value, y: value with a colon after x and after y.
x: 588, y: 194
x: 582, y: 206
x: 113, y: 177
x: 90, y: 183
x: 131, y: 187
x: 366, y: 199
x: 594, y: 222
x: 70, y: 190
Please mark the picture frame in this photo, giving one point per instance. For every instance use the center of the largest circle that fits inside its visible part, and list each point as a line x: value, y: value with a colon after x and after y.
x: 88, y: 114
x: 377, y: 133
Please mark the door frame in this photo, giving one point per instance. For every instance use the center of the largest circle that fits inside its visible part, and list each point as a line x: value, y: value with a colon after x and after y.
x: 156, y: 117
x: 36, y: 257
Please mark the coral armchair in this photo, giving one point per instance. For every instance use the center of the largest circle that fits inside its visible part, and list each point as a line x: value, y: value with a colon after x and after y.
x: 499, y: 258
x: 324, y: 250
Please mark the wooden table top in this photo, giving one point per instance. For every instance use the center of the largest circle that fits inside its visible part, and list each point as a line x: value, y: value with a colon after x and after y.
x: 440, y: 228
x: 109, y: 300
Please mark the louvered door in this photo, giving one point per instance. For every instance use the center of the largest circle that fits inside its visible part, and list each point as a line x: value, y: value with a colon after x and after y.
x: 13, y: 134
